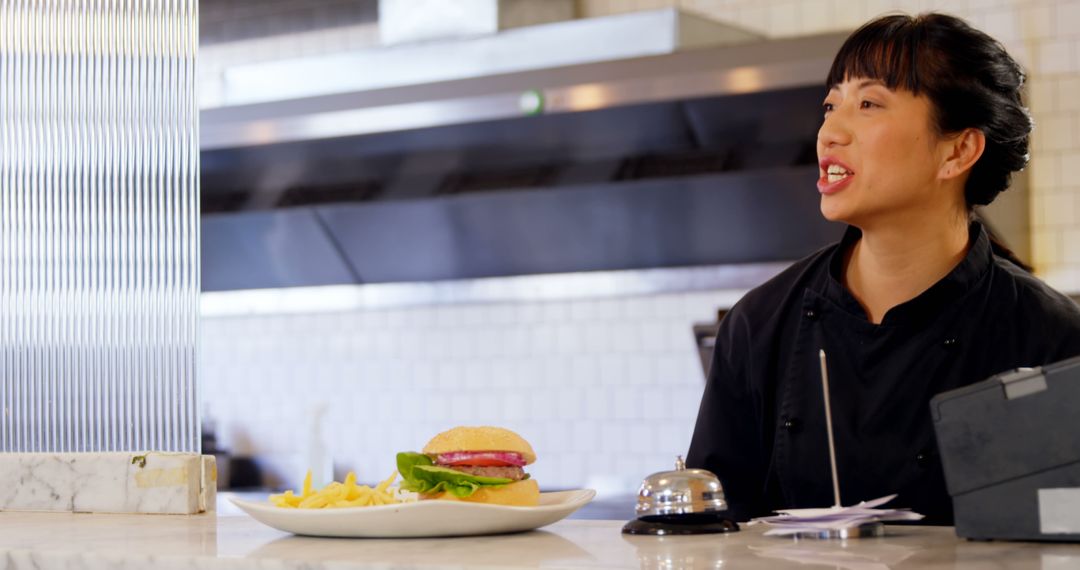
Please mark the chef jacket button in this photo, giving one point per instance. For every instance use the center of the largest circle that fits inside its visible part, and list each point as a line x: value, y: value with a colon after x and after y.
x: 950, y: 343
x: 811, y: 314
x: 792, y: 424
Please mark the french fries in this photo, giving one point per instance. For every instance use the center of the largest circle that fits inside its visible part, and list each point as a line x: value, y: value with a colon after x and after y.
x: 348, y: 494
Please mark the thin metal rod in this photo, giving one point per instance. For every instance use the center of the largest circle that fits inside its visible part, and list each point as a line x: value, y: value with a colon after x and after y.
x: 828, y: 426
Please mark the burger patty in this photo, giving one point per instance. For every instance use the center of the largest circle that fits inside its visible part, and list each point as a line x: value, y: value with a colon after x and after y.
x: 515, y: 473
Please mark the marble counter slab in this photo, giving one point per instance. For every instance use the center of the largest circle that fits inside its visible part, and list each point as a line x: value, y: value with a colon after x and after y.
x: 114, y: 482
x: 109, y: 542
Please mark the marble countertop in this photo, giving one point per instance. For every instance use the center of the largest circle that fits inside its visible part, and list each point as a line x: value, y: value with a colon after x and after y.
x: 83, y: 541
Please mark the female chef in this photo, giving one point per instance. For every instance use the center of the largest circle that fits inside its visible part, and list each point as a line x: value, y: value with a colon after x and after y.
x: 922, y: 121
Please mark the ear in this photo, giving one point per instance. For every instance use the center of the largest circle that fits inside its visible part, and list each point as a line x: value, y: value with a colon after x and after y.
x: 961, y: 152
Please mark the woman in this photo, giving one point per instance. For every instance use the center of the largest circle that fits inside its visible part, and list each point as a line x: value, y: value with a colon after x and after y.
x: 922, y: 122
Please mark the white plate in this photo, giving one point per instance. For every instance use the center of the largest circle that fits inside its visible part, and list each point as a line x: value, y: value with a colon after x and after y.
x: 419, y: 519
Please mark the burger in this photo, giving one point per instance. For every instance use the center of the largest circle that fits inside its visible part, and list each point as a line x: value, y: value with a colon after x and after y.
x: 474, y: 464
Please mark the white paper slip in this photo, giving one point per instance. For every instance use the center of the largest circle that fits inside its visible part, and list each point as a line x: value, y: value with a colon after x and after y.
x: 793, y: 521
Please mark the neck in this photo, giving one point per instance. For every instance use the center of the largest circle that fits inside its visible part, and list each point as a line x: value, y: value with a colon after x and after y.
x: 894, y: 263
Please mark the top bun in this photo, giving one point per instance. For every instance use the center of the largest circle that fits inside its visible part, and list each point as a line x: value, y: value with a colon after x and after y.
x: 482, y: 438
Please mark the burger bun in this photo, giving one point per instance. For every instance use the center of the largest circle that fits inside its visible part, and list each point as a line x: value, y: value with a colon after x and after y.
x: 520, y: 494
x: 482, y: 438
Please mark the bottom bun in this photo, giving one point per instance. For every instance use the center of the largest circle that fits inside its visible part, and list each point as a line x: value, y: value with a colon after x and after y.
x: 521, y: 494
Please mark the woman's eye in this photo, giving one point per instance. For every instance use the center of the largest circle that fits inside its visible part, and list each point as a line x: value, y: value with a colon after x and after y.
x: 868, y: 105
x: 826, y: 107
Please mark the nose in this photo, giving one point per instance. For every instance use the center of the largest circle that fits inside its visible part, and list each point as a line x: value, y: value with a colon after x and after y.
x: 834, y: 130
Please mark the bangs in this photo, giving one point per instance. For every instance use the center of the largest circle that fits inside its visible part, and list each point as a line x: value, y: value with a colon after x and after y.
x: 884, y: 50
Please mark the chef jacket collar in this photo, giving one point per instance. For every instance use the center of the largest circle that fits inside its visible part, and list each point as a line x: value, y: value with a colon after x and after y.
x: 931, y: 302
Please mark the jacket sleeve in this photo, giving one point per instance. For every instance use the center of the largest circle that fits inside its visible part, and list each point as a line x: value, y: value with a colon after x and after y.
x: 728, y: 435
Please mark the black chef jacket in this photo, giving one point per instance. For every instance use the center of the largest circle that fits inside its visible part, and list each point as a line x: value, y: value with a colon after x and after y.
x: 761, y: 425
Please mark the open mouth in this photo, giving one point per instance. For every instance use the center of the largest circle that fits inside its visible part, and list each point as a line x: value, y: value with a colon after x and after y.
x: 836, y: 173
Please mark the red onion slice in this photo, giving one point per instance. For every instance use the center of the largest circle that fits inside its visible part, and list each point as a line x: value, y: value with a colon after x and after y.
x: 480, y: 458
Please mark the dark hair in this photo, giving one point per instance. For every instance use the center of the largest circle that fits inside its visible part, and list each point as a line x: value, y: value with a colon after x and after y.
x: 969, y: 78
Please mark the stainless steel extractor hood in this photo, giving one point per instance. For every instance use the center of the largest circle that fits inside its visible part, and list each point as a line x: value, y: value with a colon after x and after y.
x: 652, y: 139
x: 565, y: 67
x: 547, y: 46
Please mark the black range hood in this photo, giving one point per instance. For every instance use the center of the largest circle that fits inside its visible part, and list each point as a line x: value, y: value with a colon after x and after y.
x: 647, y: 177
x: 701, y: 220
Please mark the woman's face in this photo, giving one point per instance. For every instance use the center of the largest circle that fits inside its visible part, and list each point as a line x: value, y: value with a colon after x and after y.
x: 882, y: 152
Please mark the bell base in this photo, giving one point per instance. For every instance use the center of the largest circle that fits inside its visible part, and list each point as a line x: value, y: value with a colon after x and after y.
x: 671, y: 525
x: 868, y: 530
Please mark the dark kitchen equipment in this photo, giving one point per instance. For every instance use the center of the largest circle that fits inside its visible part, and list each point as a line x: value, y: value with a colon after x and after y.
x: 705, y: 339
x: 683, y: 163
x: 1010, y: 448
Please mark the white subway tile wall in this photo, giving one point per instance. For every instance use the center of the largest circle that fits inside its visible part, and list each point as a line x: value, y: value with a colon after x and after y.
x: 606, y: 390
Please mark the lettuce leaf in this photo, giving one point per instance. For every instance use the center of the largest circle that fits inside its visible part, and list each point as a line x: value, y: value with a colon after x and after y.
x: 421, y: 475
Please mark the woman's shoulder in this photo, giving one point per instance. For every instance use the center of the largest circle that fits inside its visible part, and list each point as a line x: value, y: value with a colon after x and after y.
x: 1032, y: 291
x: 1037, y: 301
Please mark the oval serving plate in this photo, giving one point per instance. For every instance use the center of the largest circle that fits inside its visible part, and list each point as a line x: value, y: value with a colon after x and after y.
x: 419, y: 519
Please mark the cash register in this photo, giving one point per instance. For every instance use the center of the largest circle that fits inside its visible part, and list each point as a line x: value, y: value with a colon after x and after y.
x: 1010, y: 448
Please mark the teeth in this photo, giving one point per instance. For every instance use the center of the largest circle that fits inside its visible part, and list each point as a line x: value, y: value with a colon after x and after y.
x: 836, y: 173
